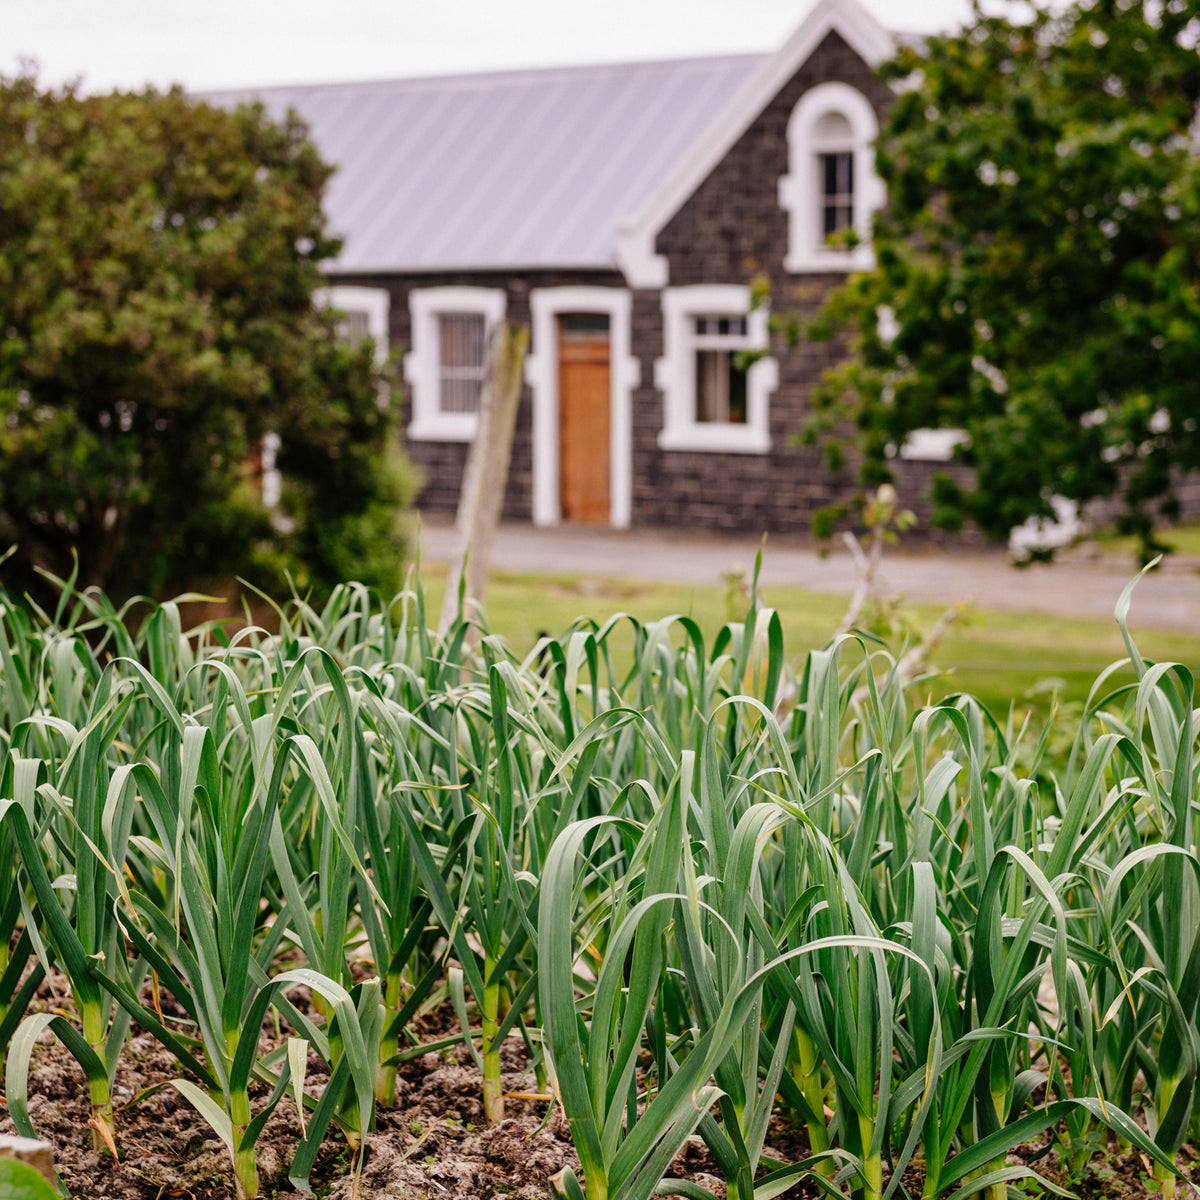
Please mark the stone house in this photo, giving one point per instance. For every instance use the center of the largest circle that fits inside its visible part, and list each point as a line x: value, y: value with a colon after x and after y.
x: 627, y: 214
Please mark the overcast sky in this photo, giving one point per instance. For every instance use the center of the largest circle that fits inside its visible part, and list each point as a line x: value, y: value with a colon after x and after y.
x: 233, y: 43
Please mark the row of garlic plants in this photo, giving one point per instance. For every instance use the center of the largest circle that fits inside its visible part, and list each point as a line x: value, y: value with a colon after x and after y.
x: 704, y: 890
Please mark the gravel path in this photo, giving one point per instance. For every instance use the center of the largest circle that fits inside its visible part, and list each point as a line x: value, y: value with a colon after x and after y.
x: 1078, y: 586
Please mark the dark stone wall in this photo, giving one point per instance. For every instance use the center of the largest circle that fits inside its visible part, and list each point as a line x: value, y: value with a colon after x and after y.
x: 441, y: 463
x: 733, y: 230
x: 913, y: 478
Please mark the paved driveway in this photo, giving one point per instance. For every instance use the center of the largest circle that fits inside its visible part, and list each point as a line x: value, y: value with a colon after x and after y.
x: 1166, y: 599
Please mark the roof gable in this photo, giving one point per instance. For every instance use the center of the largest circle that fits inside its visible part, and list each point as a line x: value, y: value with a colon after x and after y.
x: 636, y: 235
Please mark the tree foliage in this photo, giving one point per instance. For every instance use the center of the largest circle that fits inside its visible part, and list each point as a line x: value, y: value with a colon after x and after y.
x: 158, y: 265
x: 1038, y: 264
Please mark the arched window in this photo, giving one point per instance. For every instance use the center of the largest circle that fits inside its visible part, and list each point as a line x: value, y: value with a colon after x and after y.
x: 832, y: 188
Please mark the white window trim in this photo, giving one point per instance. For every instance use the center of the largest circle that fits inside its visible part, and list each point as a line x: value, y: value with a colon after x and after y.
x: 421, y: 363
x: 800, y: 192
x: 675, y: 372
x: 932, y: 445
x: 541, y: 373
x: 375, y: 302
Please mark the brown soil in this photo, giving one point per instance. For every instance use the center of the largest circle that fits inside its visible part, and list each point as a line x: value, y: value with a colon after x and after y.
x: 433, y: 1143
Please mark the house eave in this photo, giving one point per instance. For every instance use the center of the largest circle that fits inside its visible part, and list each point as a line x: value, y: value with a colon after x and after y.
x: 339, y: 269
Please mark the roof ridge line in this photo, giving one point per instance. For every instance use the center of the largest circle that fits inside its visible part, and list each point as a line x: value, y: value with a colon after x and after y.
x: 489, y: 76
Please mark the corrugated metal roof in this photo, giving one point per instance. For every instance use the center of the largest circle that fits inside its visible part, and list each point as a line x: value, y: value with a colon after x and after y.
x: 516, y: 169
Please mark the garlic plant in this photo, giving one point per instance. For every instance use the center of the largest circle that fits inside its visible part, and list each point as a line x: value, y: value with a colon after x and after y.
x: 701, y: 889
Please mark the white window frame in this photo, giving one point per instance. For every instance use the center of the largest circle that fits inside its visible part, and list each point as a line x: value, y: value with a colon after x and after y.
x: 541, y: 373
x: 800, y: 192
x: 422, y: 366
x: 932, y: 445
x: 675, y: 372
x: 374, y: 302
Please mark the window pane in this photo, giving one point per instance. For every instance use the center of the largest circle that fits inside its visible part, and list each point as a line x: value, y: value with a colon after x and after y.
x: 710, y: 403
x: 837, y: 217
x: 462, y: 339
x: 720, y: 388
x: 710, y: 325
x: 583, y: 322
x: 837, y: 192
x: 736, y: 414
x: 354, y: 326
x: 463, y: 345
x: 829, y: 161
x: 460, y: 395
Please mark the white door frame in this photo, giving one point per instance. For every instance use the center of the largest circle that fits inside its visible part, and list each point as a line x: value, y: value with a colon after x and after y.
x: 541, y: 373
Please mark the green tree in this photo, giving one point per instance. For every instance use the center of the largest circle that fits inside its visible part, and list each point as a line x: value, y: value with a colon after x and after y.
x: 158, y: 263
x: 1038, y: 277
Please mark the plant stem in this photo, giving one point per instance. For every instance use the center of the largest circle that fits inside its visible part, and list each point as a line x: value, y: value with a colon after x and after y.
x: 385, y: 1078
x: 98, y: 1086
x: 872, y: 1163
x: 1167, y: 1088
x: 5, y: 958
x: 1000, y: 1074
x: 348, y: 1109
x: 741, y: 1187
x: 245, y: 1162
x: 493, y: 1095
x: 808, y: 1078
x: 595, y: 1186
x: 929, y: 1189
x: 1165, y: 1180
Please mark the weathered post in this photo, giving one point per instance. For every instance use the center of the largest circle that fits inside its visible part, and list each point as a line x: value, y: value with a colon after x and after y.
x: 35, y: 1154
x: 487, y: 469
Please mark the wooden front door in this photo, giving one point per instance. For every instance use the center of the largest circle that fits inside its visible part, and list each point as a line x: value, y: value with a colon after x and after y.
x: 583, y: 417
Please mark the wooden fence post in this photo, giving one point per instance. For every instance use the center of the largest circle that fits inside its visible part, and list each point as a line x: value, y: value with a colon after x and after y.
x: 486, y: 473
x: 38, y: 1155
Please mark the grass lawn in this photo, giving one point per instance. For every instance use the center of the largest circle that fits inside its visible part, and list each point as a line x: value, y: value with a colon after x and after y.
x: 1183, y: 539
x: 998, y: 656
